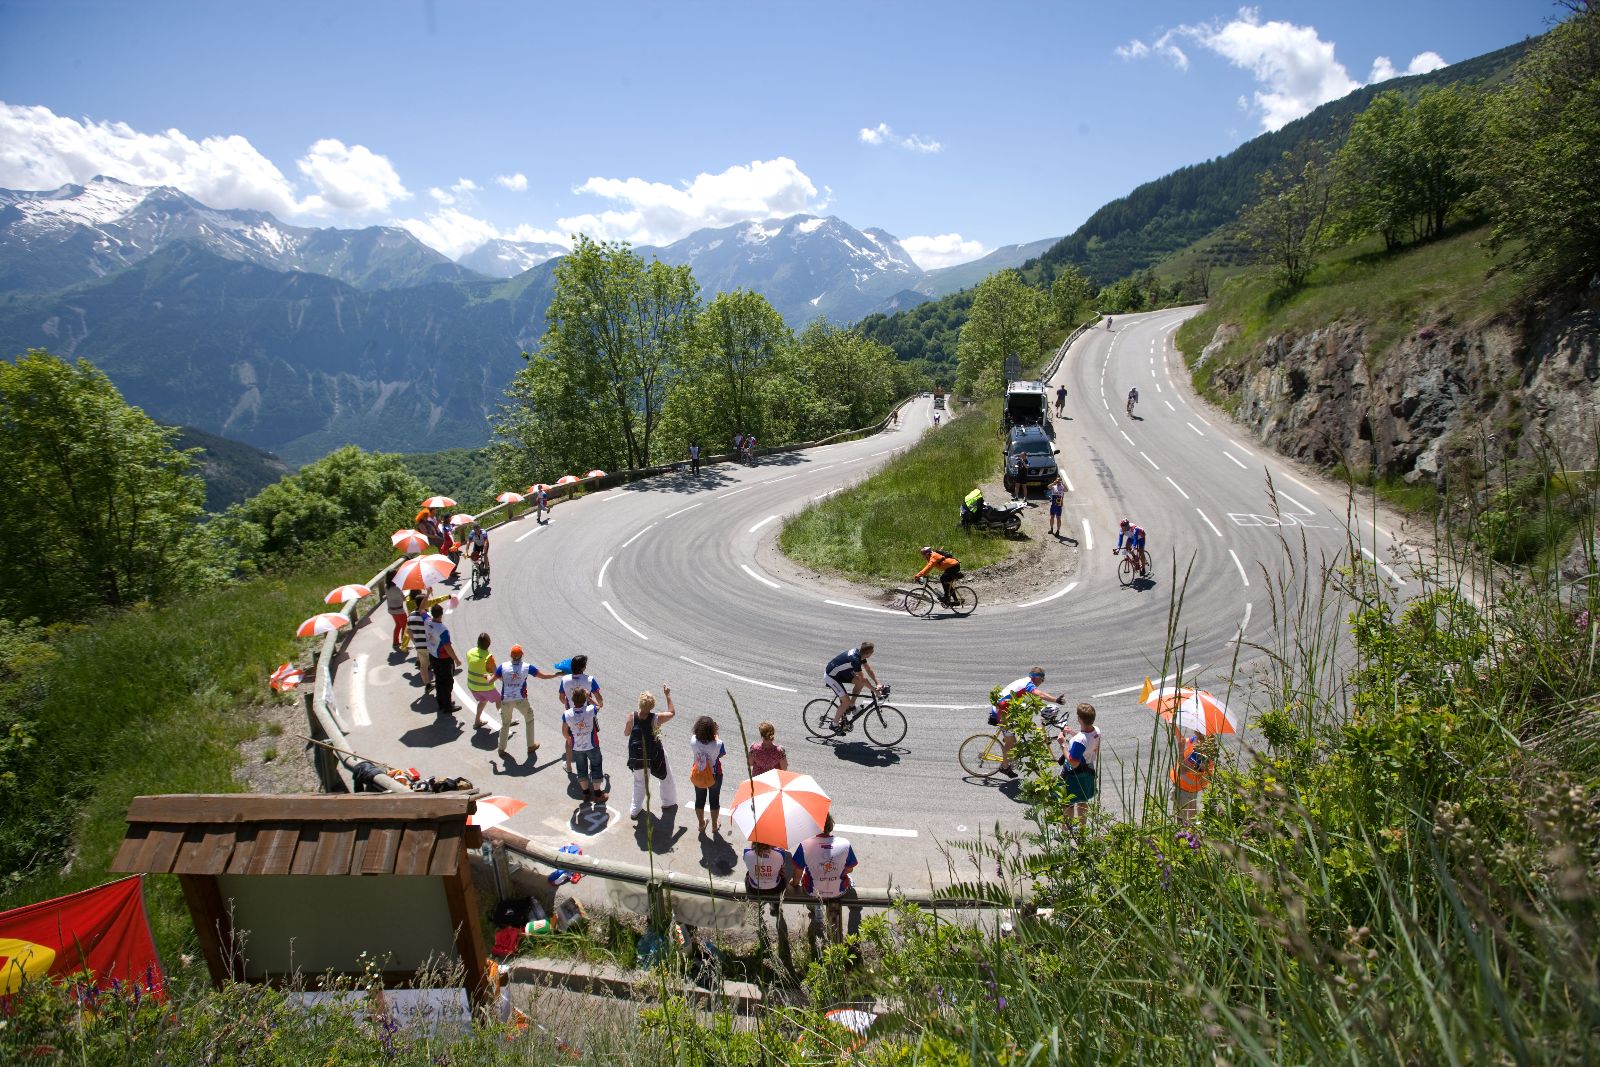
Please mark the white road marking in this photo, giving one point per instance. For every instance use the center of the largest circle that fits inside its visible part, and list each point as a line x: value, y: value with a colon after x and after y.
x: 1231, y: 456
x: 1209, y: 522
x: 1070, y: 586
x: 489, y: 718
x: 680, y: 511
x: 1393, y: 577
x: 358, y: 693
x: 941, y: 707
x: 814, y: 470
x: 1158, y: 385
x: 763, y: 522
x: 1070, y: 489
x: 1147, y: 458
x: 1236, y: 563
x: 600, y: 582
x: 638, y: 535
x: 874, y: 831
x: 737, y: 677
x: 1152, y: 372
x: 1088, y: 536
x: 1135, y: 688
x: 885, y: 452
x: 786, y: 477
x: 1167, y: 402
x: 861, y: 607
x: 829, y: 493
x: 1202, y: 418
x: 734, y: 492
x: 1104, y: 403
x: 1243, y: 449
x: 1302, y: 485
x: 1125, y: 436
x: 607, y: 605
x: 1296, y: 503
x: 1114, y: 421
x: 1178, y: 487
x: 1196, y: 429
x: 529, y: 534
x: 1244, y: 624
x: 608, y: 496
x: 757, y: 577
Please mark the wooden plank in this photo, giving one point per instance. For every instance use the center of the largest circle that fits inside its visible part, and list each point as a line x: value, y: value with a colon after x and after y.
x: 416, y: 850
x: 244, y: 846
x: 447, y: 853
x: 383, y: 840
x: 129, y: 851
x: 470, y: 947
x: 358, y: 850
x: 162, y: 848
x: 274, y: 849
x: 212, y: 856
x: 188, y: 809
x: 307, y: 842
x: 212, y: 926
x: 335, y: 844
x: 194, y: 841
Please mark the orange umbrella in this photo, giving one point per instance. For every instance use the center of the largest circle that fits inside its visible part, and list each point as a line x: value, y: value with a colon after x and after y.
x: 536, y: 487
x: 346, y: 593
x: 566, y: 479
x: 438, y: 502
x: 597, y: 473
x: 409, y: 542
x: 325, y: 623
x: 424, y: 571
x: 492, y: 811
x: 780, y: 808
x: 285, y: 678
x: 509, y: 498
x: 1189, y: 709
x: 463, y: 519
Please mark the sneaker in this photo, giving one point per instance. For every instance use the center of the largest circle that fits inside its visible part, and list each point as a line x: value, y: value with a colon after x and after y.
x: 504, y: 754
x: 1007, y: 770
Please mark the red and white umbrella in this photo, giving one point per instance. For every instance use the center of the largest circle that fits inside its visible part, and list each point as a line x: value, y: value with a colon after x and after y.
x: 780, y: 808
x: 438, y: 502
x: 423, y: 572
x: 492, y: 811
x: 596, y: 473
x: 285, y: 678
x: 325, y: 623
x: 409, y: 542
x: 1190, y: 709
x: 567, y: 479
x: 509, y: 498
x: 537, y: 487
x: 463, y: 519
x: 346, y: 593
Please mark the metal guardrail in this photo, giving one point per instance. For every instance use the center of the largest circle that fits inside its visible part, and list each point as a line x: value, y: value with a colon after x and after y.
x: 1061, y: 352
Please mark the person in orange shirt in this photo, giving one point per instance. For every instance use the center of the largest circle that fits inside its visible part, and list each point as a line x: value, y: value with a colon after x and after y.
x: 1190, y: 776
x: 948, y: 566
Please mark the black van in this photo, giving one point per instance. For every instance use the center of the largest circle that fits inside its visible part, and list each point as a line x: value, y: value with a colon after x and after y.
x: 1035, y: 444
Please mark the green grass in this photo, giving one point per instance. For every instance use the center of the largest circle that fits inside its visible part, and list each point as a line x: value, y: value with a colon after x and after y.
x: 873, y: 531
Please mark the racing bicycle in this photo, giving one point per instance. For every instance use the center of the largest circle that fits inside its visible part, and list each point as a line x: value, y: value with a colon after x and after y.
x: 920, y: 599
x: 1135, y: 564
x: 479, y: 578
x: 885, y: 725
x: 982, y: 754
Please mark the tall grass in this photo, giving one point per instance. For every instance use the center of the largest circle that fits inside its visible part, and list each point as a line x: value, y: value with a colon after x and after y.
x: 874, y: 530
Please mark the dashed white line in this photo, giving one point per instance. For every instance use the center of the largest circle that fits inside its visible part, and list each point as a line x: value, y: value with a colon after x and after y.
x: 1167, y: 402
x: 1070, y: 489
x: 1302, y: 485
x: 1393, y: 577
x: 607, y: 605
x: 786, y: 477
x: 764, y: 581
x: 738, y: 677
x: 680, y: 511
x: 1088, y: 536
x: 814, y: 470
x: 763, y: 522
x: 1236, y: 462
x: 1147, y: 458
x: 885, y: 452
x: 1135, y: 688
x: 940, y: 707
x: 861, y: 607
x: 736, y: 492
x: 1202, y: 418
x: 529, y: 534
x: 1158, y: 386
x: 1104, y: 403
x: 1242, y: 575
x: 1196, y: 429
x: 1112, y: 416
x: 1179, y: 488
x: 829, y: 493
x: 1070, y: 586
x: 600, y: 582
x: 638, y: 535
x: 874, y: 831
x: 1208, y: 522
x: 1296, y: 503
x: 1125, y: 436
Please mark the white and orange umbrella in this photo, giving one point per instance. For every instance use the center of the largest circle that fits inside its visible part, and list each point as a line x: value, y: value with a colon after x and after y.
x: 438, y: 502
x: 596, y: 473
x: 567, y: 479
x: 780, y: 808
x: 463, y: 519
x: 492, y: 811
x: 346, y: 593
x: 409, y: 542
x: 510, y: 498
x: 536, y: 487
x: 325, y: 623
x: 423, y: 572
x: 1189, y: 709
x: 285, y: 678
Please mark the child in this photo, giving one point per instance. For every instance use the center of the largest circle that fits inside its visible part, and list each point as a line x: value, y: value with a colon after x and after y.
x: 1078, y: 764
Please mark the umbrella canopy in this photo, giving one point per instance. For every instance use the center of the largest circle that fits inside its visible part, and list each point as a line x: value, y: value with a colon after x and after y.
x: 346, y: 593
x: 492, y: 811
x: 409, y: 542
x: 509, y: 498
x: 1190, y: 709
x: 536, y: 487
x: 285, y: 678
x: 325, y: 623
x: 566, y: 479
x: 596, y: 473
x: 438, y: 502
x: 780, y: 808
x: 463, y: 519
x: 424, y: 571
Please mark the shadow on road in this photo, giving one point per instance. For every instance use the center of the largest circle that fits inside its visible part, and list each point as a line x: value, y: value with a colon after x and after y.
x: 513, y: 768
x: 865, y: 755
x: 1142, y: 585
x: 590, y: 818
x: 484, y: 738
x: 658, y: 833
x: 442, y: 731
x: 717, y: 855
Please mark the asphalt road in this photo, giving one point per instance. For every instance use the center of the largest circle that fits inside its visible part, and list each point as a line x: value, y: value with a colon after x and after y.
x: 666, y: 581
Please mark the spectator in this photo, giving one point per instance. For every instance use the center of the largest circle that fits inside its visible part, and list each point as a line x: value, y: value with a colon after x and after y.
x: 694, y: 457
x: 395, y: 599
x: 1190, y: 776
x: 417, y: 631
x: 705, y: 754
x: 541, y: 504
x: 1019, y: 485
x: 514, y: 678
x: 1080, y: 762
x: 575, y: 680
x: 443, y: 661
x: 738, y: 444
x: 823, y: 865
x: 766, y: 754
x: 1057, y: 492
x: 646, y: 756
x: 580, y: 726
x: 766, y: 871
x: 481, y: 669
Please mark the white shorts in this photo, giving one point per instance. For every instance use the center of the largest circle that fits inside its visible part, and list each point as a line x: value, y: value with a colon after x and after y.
x: 836, y: 685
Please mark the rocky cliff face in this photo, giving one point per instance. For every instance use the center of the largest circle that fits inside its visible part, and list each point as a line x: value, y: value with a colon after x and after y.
x: 1431, y: 398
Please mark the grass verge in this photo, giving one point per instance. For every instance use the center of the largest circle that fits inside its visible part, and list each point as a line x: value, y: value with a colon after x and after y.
x: 873, y: 530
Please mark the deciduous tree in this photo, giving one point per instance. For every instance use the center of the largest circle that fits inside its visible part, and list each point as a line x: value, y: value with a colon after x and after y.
x: 1007, y: 317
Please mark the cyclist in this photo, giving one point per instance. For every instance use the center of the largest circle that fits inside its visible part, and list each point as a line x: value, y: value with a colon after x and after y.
x: 1061, y: 398
x: 1108, y: 323
x: 846, y: 669
x: 936, y: 419
x: 478, y: 548
x: 1008, y: 740
x: 1135, y: 540
x: 1133, y: 398
x: 948, y: 566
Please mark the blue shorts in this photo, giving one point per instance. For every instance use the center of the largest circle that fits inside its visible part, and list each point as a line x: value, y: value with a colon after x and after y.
x: 1055, y: 507
x: 586, y: 764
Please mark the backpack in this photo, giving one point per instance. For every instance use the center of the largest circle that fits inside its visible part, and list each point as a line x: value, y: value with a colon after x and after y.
x: 704, y: 775
x: 645, y: 748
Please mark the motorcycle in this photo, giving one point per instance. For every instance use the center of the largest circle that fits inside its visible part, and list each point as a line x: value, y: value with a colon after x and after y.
x: 985, y: 517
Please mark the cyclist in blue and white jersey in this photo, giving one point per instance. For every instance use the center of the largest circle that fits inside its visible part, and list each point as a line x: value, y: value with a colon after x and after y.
x: 846, y: 669
x: 1028, y: 685
x: 1135, y: 539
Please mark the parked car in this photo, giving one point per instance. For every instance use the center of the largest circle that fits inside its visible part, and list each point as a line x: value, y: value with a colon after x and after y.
x: 1033, y: 442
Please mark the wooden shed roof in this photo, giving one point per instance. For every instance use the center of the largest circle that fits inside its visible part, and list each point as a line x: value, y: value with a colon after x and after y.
x: 244, y: 833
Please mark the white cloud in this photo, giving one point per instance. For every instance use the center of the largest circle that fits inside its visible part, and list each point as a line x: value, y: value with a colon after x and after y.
x: 883, y: 133
x: 659, y: 213
x: 1421, y: 63
x: 441, y: 196
x: 455, y: 233
x: 942, y: 250
x: 464, y: 185
x: 517, y: 183
x: 354, y: 178
x: 1134, y: 49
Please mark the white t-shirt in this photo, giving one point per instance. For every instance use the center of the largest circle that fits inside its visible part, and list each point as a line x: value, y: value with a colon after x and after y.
x: 705, y: 753
x: 582, y: 722
x: 573, y: 682
x: 1085, y: 746
x: 514, y: 675
x: 765, y: 872
x: 824, y: 860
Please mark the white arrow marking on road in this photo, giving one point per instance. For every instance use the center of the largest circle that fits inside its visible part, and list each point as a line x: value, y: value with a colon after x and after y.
x: 1178, y: 487
x: 1230, y: 455
x: 600, y: 583
x: 358, y: 693
x: 1209, y: 522
x: 861, y: 607
x: 758, y: 577
x: 1045, y: 600
x: 607, y: 605
x: 762, y: 523
x: 876, y: 831
x: 638, y: 535
x: 1236, y: 563
x: 1088, y: 537
x: 529, y: 534
x: 1147, y: 458
x: 680, y: 511
x: 737, y: 677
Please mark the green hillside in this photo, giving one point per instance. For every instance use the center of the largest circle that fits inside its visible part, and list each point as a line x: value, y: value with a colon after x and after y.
x: 232, y: 470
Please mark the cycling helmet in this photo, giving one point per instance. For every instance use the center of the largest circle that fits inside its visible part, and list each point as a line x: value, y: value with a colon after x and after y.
x: 926, y: 549
x: 1126, y: 524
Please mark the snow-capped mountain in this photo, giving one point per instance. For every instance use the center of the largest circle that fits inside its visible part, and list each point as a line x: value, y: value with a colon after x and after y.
x: 506, y: 259
x: 77, y: 232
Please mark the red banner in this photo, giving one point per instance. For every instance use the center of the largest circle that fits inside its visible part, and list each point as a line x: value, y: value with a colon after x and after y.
x: 103, y: 931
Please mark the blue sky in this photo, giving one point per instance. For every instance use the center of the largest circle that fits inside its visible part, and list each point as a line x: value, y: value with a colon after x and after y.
x: 958, y: 127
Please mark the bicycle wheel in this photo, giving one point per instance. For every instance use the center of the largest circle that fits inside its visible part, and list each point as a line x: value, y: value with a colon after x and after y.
x: 963, y: 601
x: 885, y: 725
x: 1126, y: 571
x: 919, y: 602
x: 813, y: 716
x: 981, y: 755
x: 1144, y: 567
